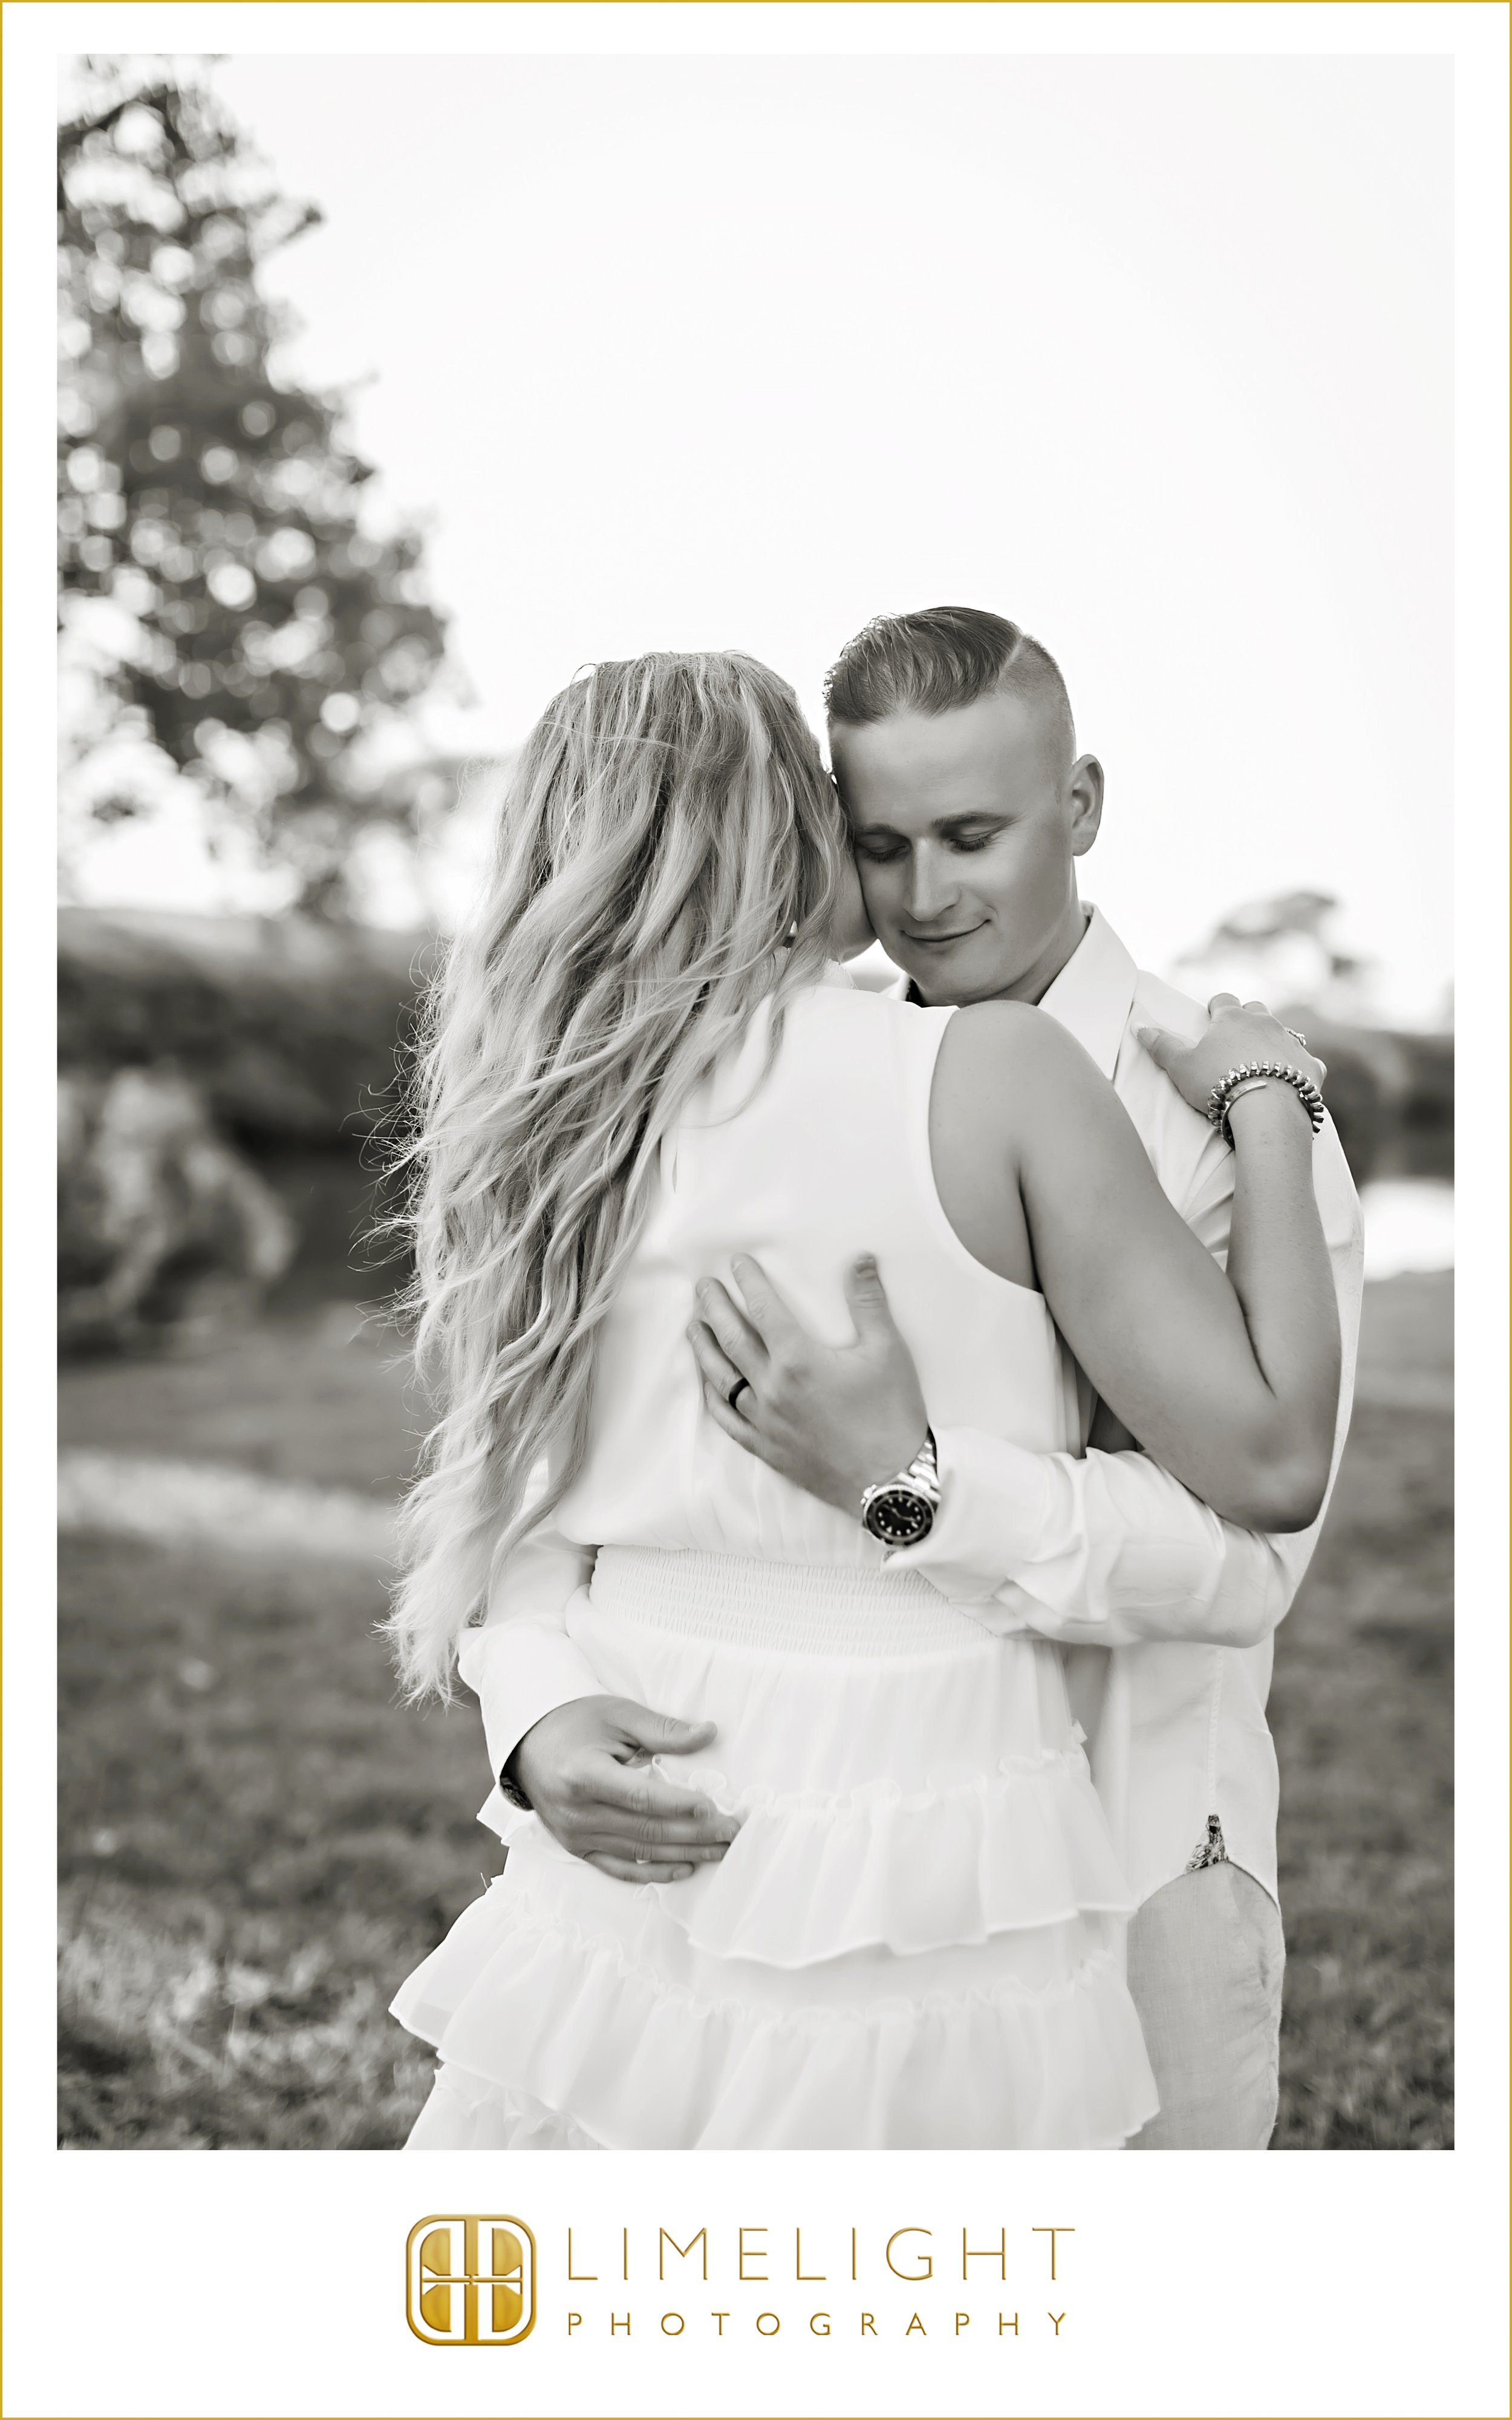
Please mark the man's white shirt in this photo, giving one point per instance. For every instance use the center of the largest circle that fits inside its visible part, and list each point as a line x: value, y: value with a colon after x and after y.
x: 1166, y: 1612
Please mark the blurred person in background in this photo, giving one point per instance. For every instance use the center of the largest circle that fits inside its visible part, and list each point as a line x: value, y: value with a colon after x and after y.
x: 907, y: 1926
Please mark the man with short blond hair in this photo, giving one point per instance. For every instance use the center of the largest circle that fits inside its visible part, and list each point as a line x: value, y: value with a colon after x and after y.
x: 954, y: 752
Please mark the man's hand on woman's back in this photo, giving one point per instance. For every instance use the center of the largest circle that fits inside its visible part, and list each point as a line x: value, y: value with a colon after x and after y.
x: 832, y: 1418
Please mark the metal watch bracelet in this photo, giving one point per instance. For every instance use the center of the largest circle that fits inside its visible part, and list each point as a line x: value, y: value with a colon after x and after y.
x: 917, y: 1484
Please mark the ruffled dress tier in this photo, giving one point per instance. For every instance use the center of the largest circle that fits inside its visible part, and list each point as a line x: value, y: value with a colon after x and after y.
x: 915, y: 1940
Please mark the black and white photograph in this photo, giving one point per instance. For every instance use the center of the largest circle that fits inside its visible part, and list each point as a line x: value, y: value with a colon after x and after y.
x: 756, y: 1040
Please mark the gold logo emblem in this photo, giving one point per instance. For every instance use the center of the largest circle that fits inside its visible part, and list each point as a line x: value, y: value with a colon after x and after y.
x: 471, y: 2281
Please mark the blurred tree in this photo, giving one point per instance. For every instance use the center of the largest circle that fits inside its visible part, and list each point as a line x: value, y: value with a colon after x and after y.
x: 1278, y: 949
x: 223, y: 600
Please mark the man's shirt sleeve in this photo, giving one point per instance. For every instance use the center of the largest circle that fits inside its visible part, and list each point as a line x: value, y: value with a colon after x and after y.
x: 1100, y: 1550
x: 1108, y: 1550
x: 519, y: 1662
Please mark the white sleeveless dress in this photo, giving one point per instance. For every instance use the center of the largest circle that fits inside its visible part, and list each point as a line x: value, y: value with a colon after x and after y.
x: 917, y: 1938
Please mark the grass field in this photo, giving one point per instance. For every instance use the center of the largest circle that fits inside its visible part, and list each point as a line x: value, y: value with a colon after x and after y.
x: 257, y: 1843
x: 1361, y: 1708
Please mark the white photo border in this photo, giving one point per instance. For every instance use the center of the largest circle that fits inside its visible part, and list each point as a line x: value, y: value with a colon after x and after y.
x: 273, y: 2286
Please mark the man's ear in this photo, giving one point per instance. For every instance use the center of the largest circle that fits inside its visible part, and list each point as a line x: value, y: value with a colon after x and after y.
x: 1084, y: 790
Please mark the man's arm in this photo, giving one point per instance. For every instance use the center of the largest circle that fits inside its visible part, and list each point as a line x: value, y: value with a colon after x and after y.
x: 519, y: 1662
x: 1106, y: 1551
x: 578, y: 1754
x: 1100, y: 1550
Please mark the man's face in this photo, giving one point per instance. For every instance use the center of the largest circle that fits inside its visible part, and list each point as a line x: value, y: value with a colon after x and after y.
x: 966, y: 828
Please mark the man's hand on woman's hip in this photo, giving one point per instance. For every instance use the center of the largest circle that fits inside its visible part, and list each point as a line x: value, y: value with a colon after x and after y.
x: 579, y: 1767
x: 832, y: 1418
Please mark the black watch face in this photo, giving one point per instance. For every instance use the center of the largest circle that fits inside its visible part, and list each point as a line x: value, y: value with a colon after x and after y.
x: 898, y: 1517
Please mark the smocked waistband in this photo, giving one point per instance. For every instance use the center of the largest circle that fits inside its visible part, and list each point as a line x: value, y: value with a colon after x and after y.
x: 791, y: 1608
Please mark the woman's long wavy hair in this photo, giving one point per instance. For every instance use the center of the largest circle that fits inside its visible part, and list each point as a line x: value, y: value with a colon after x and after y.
x: 667, y: 858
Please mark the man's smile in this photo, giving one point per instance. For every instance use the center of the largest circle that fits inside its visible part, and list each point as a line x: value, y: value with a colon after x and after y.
x: 942, y: 940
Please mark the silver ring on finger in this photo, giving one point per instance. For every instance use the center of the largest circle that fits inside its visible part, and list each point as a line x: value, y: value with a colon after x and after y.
x: 640, y: 1860
x: 732, y: 1399
x: 1295, y: 1035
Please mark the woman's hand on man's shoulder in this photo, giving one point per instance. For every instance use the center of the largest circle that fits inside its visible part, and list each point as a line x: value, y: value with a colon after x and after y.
x: 1237, y: 1034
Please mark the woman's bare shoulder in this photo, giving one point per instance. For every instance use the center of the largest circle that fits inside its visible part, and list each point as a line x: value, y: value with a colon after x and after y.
x: 1002, y: 1045
x: 1012, y: 1086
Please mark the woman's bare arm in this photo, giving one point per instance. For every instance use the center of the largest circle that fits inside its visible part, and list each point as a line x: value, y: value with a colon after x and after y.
x: 1230, y: 1382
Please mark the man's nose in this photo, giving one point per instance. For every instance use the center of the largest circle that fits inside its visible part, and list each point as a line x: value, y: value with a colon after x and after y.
x: 932, y: 885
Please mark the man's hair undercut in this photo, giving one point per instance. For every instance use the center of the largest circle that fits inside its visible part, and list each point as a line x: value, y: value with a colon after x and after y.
x: 943, y: 658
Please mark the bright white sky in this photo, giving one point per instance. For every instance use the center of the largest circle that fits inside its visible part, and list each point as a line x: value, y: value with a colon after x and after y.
x: 1151, y: 354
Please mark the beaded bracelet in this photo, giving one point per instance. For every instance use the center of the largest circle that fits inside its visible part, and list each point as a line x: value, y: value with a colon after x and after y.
x: 1224, y: 1091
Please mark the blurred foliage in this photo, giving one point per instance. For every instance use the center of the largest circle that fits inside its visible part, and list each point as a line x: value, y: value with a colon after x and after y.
x: 194, y: 1048
x: 161, y: 1221
x: 1390, y: 1094
x: 243, y: 618
x: 292, y: 1030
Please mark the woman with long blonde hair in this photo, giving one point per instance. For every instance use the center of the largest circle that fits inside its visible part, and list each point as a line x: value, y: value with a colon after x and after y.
x: 639, y: 1061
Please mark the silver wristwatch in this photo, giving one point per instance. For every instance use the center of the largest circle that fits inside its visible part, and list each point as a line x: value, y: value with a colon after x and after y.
x: 901, y: 1512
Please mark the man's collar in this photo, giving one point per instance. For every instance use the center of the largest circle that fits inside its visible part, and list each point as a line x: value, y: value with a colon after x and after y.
x: 1091, y: 996
x: 1093, y: 993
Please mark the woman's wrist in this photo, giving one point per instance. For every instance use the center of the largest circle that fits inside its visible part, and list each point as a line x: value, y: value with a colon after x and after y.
x: 1267, y: 1104
x: 1256, y: 1075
